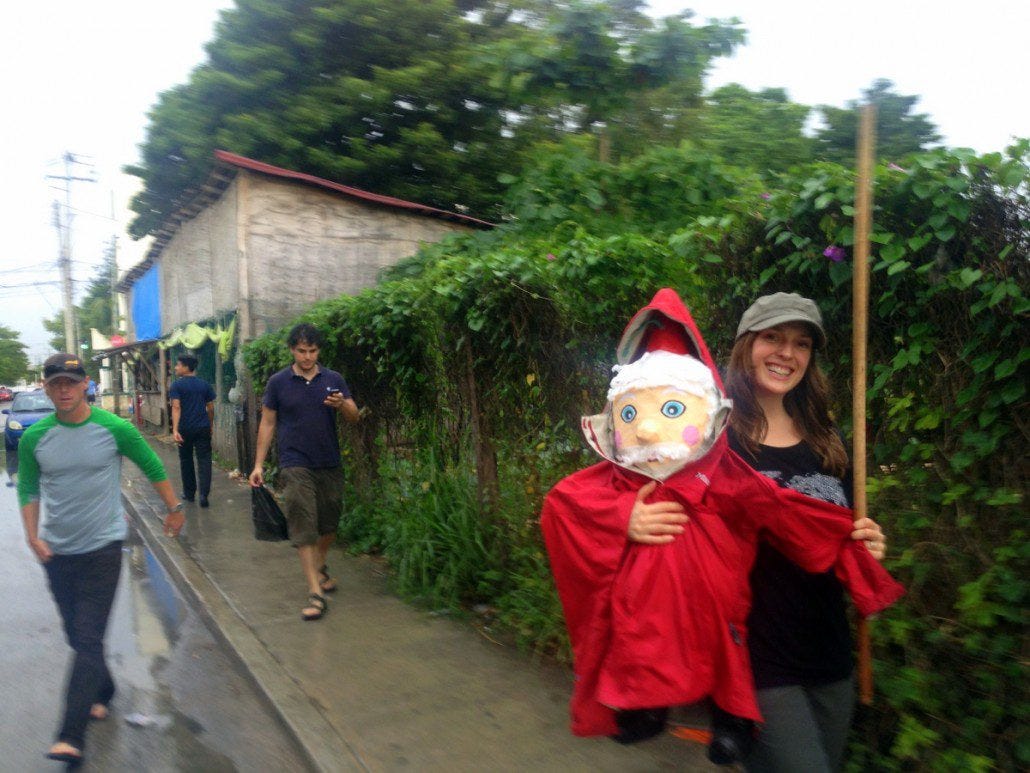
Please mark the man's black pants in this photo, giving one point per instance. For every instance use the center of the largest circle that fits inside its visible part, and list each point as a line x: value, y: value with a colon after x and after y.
x: 83, y: 586
x: 199, y: 441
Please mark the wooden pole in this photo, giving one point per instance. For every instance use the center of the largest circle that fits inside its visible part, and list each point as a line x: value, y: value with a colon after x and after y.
x: 860, y: 325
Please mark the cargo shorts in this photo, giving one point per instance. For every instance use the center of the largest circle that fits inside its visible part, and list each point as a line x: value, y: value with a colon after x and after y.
x: 312, y: 502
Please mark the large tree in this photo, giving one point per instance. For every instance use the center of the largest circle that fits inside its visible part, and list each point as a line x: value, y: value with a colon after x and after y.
x: 430, y: 101
x: 14, y: 363
x: 759, y: 130
x: 607, y: 67
x: 899, y: 131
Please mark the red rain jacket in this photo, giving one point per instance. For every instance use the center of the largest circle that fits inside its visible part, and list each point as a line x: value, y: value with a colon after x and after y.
x: 663, y: 625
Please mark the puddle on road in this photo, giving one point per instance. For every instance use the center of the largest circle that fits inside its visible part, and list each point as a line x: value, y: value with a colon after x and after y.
x: 158, y: 600
x: 152, y: 644
x: 197, y: 711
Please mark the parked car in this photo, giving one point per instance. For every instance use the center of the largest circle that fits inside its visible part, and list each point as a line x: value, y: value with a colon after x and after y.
x: 6, y: 394
x: 26, y: 410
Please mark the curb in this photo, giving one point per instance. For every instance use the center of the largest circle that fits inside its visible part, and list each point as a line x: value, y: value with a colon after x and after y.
x: 326, y: 751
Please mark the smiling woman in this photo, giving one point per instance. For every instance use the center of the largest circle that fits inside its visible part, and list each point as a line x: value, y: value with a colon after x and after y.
x: 800, y: 641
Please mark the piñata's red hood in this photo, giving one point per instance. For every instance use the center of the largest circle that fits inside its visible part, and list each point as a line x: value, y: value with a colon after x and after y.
x: 664, y: 324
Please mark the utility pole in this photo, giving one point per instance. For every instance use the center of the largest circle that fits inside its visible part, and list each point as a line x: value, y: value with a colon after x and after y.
x: 115, y: 316
x: 114, y: 363
x: 64, y: 265
x: 64, y: 261
x: 113, y: 255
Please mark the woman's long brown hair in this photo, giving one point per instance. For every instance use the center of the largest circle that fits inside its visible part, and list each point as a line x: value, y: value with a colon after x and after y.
x: 808, y: 404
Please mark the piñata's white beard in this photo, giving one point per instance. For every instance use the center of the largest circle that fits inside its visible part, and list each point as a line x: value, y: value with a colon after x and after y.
x: 659, y: 460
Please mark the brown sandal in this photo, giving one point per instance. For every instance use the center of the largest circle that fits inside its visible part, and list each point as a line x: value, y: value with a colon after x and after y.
x: 317, y: 603
x: 325, y: 582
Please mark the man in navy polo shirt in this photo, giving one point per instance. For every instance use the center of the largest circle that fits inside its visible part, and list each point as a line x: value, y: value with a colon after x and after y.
x: 193, y: 411
x: 299, y: 408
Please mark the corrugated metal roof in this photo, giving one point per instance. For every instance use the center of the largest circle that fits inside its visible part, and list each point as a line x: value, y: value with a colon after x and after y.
x: 227, y: 163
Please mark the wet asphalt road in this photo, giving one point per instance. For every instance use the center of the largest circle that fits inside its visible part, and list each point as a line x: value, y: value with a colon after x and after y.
x: 182, y: 702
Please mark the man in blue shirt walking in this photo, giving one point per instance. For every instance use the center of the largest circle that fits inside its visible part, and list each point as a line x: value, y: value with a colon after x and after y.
x: 299, y: 408
x: 193, y: 411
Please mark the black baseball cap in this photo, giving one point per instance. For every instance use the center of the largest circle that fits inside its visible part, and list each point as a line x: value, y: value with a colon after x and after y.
x: 63, y: 365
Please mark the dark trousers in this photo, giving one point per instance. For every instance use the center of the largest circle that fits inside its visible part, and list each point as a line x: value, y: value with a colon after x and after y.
x: 199, y: 441
x: 805, y: 729
x: 83, y: 586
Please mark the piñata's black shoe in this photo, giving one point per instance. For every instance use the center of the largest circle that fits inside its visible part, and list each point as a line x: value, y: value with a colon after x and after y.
x: 732, y: 738
x: 639, y: 724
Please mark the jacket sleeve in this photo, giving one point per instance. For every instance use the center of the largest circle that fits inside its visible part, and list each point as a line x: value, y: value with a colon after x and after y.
x: 814, y: 534
x: 584, y: 522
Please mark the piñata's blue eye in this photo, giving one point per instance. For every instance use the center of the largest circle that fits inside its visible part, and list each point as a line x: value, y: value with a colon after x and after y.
x: 628, y: 413
x: 673, y: 409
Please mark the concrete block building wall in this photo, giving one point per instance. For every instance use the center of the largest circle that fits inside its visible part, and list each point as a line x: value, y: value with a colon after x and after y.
x: 199, y: 277
x: 305, y: 245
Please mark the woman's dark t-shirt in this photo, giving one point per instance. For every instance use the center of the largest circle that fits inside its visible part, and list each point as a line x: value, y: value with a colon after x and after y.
x: 798, y: 631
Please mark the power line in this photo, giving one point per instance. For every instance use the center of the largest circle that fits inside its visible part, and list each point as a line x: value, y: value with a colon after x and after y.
x: 31, y: 284
x: 27, y: 268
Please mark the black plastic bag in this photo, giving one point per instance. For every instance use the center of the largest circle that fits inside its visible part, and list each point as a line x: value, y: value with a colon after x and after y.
x: 269, y: 521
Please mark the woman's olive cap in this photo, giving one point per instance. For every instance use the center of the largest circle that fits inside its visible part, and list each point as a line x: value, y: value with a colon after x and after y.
x: 778, y: 308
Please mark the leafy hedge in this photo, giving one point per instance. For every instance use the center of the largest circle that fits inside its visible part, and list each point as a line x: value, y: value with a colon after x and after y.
x: 478, y: 356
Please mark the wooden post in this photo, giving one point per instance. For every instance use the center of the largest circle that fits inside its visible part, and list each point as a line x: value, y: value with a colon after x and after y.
x: 860, y: 322
x: 165, y: 417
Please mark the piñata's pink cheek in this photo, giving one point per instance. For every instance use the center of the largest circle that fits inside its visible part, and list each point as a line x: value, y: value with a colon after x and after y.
x: 691, y: 435
x: 618, y: 439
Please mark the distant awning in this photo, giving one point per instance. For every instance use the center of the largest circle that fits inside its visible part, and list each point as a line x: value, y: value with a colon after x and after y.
x: 124, y: 350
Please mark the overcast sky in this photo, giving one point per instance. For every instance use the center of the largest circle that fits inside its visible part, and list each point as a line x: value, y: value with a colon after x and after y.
x: 80, y: 77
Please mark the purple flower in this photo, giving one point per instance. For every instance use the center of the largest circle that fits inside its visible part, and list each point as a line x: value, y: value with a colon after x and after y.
x: 766, y: 196
x: 835, y: 253
x: 551, y: 256
x: 895, y: 168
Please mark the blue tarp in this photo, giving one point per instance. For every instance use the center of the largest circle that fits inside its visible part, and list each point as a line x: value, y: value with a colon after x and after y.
x: 146, y: 305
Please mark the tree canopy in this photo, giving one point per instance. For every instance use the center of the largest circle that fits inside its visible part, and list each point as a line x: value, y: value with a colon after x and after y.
x: 899, y: 131
x: 430, y: 101
x: 759, y: 130
x: 14, y: 362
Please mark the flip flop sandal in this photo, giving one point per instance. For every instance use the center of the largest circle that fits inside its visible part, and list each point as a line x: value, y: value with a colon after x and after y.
x: 326, y: 583
x: 73, y: 759
x: 317, y: 603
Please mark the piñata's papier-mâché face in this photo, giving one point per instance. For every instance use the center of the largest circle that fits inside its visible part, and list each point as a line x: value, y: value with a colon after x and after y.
x: 656, y: 425
x: 662, y: 409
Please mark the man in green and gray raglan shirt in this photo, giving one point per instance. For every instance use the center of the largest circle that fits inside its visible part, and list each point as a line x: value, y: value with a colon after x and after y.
x: 69, y: 488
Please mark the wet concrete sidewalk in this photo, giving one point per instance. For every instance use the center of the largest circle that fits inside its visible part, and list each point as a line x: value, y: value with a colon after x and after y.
x: 376, y: 684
